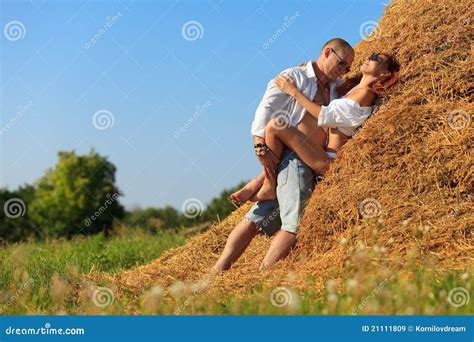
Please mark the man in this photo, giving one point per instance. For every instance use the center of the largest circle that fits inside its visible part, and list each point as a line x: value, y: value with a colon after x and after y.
x: 295, y: 181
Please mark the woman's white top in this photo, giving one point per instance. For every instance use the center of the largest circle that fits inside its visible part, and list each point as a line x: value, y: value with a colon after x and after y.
x: 344, y: 114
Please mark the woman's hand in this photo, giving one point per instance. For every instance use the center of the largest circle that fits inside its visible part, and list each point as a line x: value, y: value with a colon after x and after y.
x: 286, y: 85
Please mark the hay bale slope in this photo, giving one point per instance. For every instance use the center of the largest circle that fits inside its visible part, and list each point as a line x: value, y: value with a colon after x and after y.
x: 411, y: 163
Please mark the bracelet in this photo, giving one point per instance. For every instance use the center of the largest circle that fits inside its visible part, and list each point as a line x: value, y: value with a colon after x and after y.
x: 261, y: 150
x: 260, y: 145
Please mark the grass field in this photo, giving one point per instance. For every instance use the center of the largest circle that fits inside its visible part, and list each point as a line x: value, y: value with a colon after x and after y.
x: 39, y: 278
x: 35, y: 276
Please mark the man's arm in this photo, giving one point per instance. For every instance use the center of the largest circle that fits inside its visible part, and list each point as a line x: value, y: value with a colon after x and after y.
x: 273, y: 101
x: 266, y: 157
x: 258, y: 140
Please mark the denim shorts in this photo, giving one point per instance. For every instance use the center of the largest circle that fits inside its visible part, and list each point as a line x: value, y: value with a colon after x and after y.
x: 295, y: 183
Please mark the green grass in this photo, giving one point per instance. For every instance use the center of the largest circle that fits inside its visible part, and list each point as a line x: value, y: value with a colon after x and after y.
x: 28, y: 271
x: 37, y: 278
x: 375, y: 293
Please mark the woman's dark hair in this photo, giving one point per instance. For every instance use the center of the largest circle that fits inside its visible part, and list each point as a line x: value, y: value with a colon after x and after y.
x: 380, y: 86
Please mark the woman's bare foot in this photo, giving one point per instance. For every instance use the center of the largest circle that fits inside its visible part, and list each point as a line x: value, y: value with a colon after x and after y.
x: 266, y: 192
x: 247, y: 192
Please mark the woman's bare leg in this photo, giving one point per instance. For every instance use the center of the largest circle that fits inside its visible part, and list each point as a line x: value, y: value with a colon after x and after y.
x: 314, y: 156
x: 276, y: 138
x: 249, y: 190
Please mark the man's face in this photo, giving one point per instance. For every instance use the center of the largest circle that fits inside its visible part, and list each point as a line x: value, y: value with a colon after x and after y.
x: 337, y: 62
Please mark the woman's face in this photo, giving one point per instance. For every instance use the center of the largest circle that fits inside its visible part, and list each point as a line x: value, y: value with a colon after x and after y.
x: 373, y: 65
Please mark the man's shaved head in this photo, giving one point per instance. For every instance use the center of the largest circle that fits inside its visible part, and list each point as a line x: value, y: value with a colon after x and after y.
x: 335, y: 58
x: 338, y: 44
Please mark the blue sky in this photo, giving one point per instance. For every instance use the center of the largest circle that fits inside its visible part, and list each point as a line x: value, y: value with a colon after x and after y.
x: 175, y: 85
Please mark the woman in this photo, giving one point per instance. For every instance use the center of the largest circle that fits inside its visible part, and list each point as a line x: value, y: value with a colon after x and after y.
x: 378, y: 74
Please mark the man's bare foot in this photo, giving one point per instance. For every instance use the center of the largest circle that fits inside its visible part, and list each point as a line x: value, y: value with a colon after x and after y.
x: 281, y: 245
x: 266, y: 192
x: 214, y: 271
x: 247, y: 192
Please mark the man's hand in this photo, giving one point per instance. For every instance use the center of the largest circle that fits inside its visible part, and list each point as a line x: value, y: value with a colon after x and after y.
x: 269, y: 161
x: 270, y: 164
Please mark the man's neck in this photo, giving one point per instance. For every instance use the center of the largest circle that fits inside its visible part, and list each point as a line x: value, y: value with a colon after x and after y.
x: 319, y: 73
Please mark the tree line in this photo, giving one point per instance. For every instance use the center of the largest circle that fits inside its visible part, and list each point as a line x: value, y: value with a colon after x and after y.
x: 79, y: 196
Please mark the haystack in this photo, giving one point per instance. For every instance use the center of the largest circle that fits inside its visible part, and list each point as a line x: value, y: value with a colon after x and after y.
x: 407, y: 174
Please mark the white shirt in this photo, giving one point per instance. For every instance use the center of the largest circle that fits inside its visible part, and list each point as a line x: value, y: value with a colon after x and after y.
x: 344, y: 114
x: 276, y: 103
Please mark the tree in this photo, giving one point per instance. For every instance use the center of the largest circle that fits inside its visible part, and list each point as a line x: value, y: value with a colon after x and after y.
x: 15, y: 223
x: 220, y: 207
x: 77, y: 196
x: 147, y: 218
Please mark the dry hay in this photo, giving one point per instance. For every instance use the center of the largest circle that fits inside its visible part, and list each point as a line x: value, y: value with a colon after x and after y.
x: 413, y: 158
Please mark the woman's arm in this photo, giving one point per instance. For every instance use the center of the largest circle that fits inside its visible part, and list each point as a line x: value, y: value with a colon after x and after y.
x: 287, y: 85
